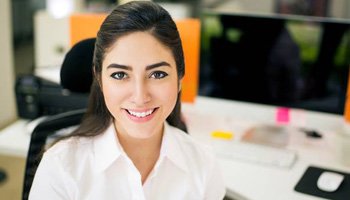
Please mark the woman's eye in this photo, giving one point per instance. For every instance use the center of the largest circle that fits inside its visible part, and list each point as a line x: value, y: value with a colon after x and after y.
x: 119, y: 75
x: 158, y: 75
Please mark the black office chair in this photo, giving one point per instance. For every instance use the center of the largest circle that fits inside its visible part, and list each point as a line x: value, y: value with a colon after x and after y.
x: 77, y: 63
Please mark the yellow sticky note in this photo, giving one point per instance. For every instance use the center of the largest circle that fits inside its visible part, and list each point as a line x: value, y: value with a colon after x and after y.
x: 222, y: 135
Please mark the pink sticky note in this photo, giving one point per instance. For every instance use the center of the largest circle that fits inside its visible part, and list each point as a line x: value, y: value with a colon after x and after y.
x: 282, y: 115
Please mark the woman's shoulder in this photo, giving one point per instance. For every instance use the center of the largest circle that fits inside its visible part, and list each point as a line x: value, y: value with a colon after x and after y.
x: 198, y: 159
x: 67, y: 151
x: 190, y: 145
x: 69, y: 145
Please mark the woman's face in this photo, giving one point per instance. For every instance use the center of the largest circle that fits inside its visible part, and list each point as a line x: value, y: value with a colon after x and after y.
x: 139, y: 84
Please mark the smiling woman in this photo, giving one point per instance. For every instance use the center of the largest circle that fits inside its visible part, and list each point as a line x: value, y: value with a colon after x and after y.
x: 130, y: 144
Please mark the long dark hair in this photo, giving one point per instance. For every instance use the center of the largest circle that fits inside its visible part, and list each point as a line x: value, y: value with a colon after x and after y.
x: 125, y: 19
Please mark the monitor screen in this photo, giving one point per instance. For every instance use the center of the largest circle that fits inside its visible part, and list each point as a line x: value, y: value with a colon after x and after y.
x: 281, y: 60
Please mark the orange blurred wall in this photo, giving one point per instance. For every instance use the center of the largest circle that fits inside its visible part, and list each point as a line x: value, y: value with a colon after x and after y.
x: 347, y: 103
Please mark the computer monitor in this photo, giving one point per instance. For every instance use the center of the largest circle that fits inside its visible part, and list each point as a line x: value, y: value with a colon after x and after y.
x: 282, y: 60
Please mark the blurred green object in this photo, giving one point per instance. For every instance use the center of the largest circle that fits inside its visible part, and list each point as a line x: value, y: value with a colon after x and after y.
x: 211, y: 27
x: 308, y: 36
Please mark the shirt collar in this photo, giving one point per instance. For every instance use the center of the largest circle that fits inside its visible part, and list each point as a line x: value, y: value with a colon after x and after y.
x: 106, y: 148
x: 171, y: 147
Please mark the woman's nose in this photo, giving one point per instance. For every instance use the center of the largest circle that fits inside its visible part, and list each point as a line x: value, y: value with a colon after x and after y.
x: 140, y: 93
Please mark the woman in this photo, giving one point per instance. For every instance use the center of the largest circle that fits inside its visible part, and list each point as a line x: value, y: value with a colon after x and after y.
x: 128, y: 146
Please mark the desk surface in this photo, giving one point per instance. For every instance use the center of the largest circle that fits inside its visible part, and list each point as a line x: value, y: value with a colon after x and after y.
x: 254, y: 181
x: 243, y: 180
x: 14, y: 139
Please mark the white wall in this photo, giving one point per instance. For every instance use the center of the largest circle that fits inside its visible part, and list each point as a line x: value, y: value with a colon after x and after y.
x: 50, y: 35
x: 348, y: 9
x: 249, y: 6
x: 7, y: 94
x: 265, y: 6
x: 337, y: 8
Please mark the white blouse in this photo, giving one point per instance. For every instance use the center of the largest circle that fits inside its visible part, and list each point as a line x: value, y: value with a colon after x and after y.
x: 98, y: 168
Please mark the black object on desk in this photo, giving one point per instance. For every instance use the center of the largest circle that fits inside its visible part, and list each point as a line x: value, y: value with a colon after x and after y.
x: 36, y: 97
x: 3, y: 176
x: 308, y: 184
x: 311, y: 133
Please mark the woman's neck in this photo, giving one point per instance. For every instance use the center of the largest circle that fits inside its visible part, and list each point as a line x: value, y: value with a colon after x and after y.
x: 144, y: 153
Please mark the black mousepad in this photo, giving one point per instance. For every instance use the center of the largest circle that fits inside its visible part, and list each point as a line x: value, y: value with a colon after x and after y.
x: 308, y: 184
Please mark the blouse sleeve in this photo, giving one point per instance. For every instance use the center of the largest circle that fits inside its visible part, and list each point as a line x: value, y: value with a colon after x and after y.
x: 50, y: 181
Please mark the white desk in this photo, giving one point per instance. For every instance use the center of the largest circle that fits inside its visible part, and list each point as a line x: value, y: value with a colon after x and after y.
x: 243, y: 180
x: 258, y: 182
x: 14, y: 139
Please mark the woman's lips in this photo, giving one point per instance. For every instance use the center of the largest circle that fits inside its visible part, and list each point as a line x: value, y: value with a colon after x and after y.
x: 141, y: 115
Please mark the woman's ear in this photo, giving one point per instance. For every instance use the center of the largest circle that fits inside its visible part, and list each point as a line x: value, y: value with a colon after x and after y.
x: 180, y: 85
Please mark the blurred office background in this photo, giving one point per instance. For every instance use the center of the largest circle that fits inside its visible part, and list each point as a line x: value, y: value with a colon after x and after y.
x: 17, y: 41
x: 20, y: 17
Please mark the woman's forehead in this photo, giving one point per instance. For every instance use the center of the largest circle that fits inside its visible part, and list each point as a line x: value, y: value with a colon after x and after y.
x: 138, y: 47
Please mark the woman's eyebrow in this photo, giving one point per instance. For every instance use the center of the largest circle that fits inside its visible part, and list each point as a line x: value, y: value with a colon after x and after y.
x: 160, y: 64
x: 118, y: 66
x: 148, y: 67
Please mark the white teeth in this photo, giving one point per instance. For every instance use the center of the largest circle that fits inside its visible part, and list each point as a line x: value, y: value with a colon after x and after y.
x: 141, y: 114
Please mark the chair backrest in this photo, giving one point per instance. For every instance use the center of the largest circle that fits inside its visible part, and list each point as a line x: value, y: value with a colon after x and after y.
x: 77, y: 63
